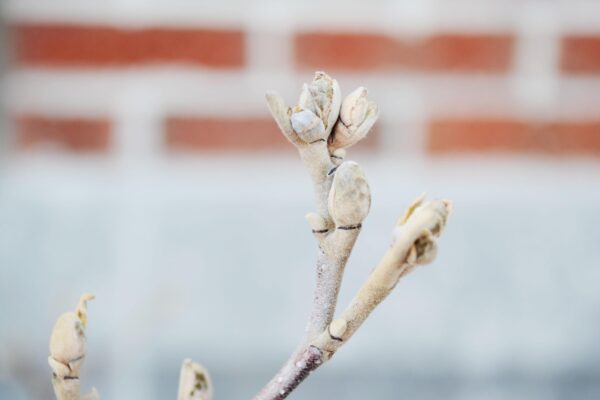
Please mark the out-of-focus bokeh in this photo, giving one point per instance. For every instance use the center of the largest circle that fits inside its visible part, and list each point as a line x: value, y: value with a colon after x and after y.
x: 138, y: 162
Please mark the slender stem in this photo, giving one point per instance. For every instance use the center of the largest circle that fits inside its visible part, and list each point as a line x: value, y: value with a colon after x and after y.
x: 333, y: 255
x: 335, y: 245
x: 66, y: 389
x: 318, y: 163
x: 302, y: 362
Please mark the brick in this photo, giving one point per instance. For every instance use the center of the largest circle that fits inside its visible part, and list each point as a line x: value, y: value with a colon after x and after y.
x: 74, y: 134
x: 580, y: 55
x: 206, y: 133
x: 491, y: 53
x: 103, y: 46
x: 513, y: 135
x: 476, y: 53
x: 343, y: 51
x: 221, y: 133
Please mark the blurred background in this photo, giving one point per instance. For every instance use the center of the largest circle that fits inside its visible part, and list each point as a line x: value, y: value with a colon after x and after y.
x: 138, y: 162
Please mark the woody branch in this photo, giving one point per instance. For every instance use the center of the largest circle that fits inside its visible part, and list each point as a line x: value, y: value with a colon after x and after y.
x: 321, y: 127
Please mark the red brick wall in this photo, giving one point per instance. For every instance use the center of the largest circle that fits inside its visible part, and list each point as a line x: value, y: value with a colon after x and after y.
x: 47, y: 51
x: 81, y: 134
x: 370, y: 52
x: 61, y: 45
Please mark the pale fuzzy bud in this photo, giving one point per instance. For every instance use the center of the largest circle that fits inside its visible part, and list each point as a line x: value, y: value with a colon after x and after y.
x: 337, y: 328
x: 307, y: 125
x: 357, y: 117
x: 323, y: 97
x: 337, y: 156
x: 59, y: 369
x: 317, y: 223
x: 307, y: 102
x: 354, y: 107
x: 67, y: 342
x: 339, y: 153
x: 194, y: 382
x: 350, y: 197
x: 431, y: 215
x: 281, y: 113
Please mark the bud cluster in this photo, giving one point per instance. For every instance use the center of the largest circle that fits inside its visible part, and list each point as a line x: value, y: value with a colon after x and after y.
x: 321, y: 115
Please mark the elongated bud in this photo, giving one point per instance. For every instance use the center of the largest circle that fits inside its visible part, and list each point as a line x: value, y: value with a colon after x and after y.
x: 281, y: 113
x: 424, y: 216
x: 430, y: 215
x: 317, y: 223
x: 337, y: 156
x: 357, y: 117
x: 315, y: 115
x: 323, y: 97
x: 307, y: 125
x: 350, y: 197
x: 354, y: 107
x: 67, y: 342
x: 307, y: 102
x: 194, y: 382
x: 337, y: 328
x: 340, y: 154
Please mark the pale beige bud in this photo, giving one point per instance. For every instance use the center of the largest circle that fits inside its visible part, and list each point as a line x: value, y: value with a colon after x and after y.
x: 281, y: 113
x: 339, y: 153
x: 357, y: 117
x: 350, y: 197
x: 337, y: 328
x: 317, y: 223
x: 194, y: 382
x: 323, y: 97
x: 58, y: 368
x: 307, y: 102
x: 67, y: 342
x: 337, y: 156
x: 354, y: 107
x: 307, y: 125
x: 432, y: 215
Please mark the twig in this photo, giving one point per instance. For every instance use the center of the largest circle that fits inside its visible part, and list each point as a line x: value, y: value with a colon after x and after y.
x: 414, y: 245
x: 67, y: 353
